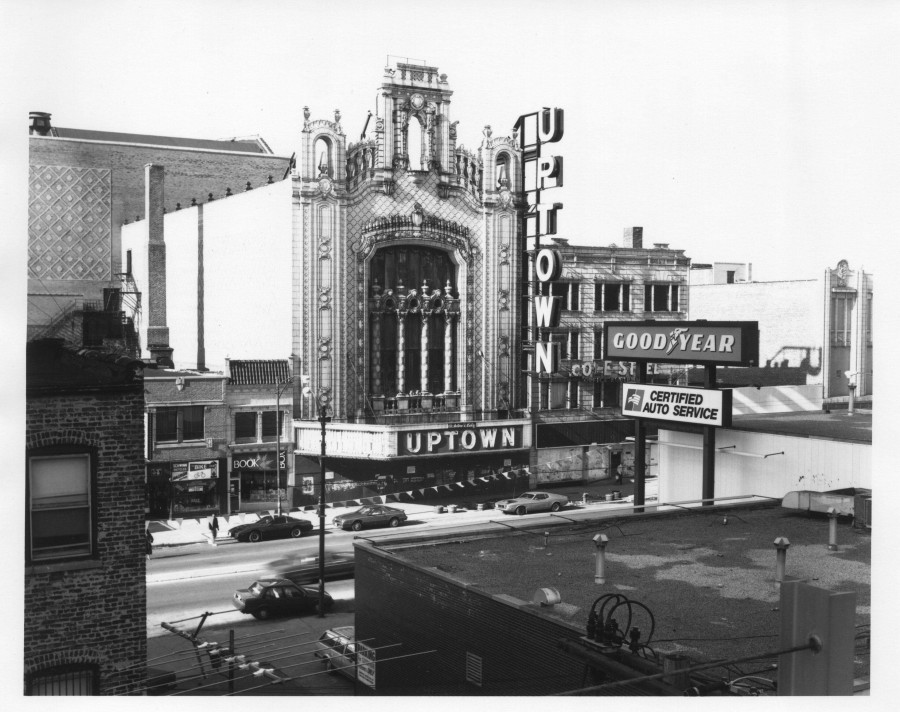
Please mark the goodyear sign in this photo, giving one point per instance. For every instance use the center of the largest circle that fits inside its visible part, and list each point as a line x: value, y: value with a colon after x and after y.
x: 725, y: 343
x: 694, y: 406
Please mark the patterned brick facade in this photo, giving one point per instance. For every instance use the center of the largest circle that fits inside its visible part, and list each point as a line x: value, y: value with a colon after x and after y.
x: 92, y: 610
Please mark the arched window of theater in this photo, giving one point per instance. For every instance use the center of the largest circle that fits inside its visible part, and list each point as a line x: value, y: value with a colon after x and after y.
x: 415, y: 144
x: 324, y: 157
x: 503, y: 172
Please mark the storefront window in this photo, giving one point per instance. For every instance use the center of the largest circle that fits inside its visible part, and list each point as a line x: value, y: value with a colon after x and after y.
x: 261, y: 486
x: 195, y: 496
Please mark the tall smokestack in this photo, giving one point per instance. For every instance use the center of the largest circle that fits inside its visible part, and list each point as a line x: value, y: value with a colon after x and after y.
x: 157, y: 331
x: 634, y: 237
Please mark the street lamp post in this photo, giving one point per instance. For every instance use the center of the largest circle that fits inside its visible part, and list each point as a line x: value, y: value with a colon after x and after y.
x: 323, y: 418
x: 278, y: 425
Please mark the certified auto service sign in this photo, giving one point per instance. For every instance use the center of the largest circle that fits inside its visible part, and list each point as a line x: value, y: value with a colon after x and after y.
x: 728, y: 343
x: 696, y: 406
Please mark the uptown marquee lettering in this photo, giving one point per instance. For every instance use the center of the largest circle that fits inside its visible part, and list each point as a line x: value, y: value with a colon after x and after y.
x: 542, y: 172
x: 465, y: 440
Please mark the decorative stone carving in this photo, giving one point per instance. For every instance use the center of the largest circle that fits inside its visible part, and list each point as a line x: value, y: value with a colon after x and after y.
x: 325, y: 298
x: 324, y: 348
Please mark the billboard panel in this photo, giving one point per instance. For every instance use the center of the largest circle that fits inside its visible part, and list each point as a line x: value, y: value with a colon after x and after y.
x: 693, y: 406
x: 724, y: 343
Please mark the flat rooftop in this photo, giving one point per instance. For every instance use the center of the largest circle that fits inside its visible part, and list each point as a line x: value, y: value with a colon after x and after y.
x: 706, y: 575
x: 836, y: 425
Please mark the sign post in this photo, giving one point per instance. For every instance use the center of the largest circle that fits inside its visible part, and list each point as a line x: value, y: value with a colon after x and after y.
x: 709, y: 343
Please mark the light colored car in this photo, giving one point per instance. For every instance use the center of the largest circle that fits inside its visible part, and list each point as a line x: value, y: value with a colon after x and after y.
x: 337, y: 649
x: 529, y: 502
x: 372, y: 515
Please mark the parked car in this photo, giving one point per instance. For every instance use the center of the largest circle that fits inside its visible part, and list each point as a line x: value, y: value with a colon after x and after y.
x: 336, y: 566
x: 529, y: 502
x: 337, y: 649
x: 268, y: 597
x: 269, y: 527
x: 372, y: 515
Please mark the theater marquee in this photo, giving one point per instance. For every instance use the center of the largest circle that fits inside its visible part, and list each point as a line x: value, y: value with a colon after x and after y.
x: 694, y: 406
x: 725, y: 343
x: 460, y: 439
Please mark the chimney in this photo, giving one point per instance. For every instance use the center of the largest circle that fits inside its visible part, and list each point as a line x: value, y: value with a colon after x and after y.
x: 40, y: 123
x: 157, y: 331
x: 634, y: 237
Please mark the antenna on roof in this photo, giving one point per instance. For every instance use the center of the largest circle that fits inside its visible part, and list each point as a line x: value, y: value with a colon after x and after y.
x: 362, y: 136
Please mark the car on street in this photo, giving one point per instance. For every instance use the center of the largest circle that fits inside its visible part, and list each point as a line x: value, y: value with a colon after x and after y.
x: 371, y: 515
x: 271, y: 597
x: 337, y: 649
x: 271, y: 527
x: 534, y: 501
x: 337, y: 566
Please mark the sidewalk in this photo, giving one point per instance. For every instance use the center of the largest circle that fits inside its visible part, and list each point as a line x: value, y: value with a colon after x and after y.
x: 178, y: 532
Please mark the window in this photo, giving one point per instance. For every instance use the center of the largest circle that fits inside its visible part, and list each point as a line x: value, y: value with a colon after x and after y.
x: 841, y: 311
x: 65, y: 680
x: 614, y: 296
x: 598, y: 345
x: 59, y: 506
x: 568, y: 344
x: 179, y: 424
x: 245, y: 426
x: 661, y: 297
x: 269, y: 428
x: 569, y: 293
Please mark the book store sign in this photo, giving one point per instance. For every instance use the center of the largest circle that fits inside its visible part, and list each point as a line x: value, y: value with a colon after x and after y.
x: 726, y: 343
x: 695, y: 406
x: 455, y: 440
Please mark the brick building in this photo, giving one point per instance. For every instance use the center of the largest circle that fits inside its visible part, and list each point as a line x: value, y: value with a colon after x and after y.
x: 824, y: 335
x: 85, y: 593
x: 83, y: 187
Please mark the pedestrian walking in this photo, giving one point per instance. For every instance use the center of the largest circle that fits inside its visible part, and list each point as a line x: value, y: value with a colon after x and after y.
x: 149, y: 543
x: 213, y: 529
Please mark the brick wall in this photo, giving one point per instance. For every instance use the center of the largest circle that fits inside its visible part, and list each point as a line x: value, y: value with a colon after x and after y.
x: 427, y: 611
x: 94, y: 611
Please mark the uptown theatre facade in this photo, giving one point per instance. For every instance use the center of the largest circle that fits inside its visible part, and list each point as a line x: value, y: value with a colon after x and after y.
x: 407, y: 274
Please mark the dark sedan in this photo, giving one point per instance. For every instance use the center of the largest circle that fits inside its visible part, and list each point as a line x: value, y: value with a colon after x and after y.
x: 269, y: 527
x: 337, y: 566
x: 372, y: 515
x: 269, y: 597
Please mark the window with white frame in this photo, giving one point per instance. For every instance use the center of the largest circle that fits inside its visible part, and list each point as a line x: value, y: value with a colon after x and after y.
x: 179, y: 424
x: 568, y: 343
x: 59, y: 506
x: 569, y: 294
x: 841, y: 317
x: 245, y: 426
x: 612, y: 297
x: 270, y: 425
x: 661, y: 297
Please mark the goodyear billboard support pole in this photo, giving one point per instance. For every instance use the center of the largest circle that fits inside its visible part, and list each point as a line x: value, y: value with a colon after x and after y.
x: 640, y: 448
x: 709, y: 446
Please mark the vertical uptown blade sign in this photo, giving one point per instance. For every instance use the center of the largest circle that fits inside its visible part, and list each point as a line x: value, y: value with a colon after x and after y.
x: 540, y: 172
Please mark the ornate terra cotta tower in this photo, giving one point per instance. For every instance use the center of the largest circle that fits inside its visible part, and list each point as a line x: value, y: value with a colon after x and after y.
x: 406, y: 263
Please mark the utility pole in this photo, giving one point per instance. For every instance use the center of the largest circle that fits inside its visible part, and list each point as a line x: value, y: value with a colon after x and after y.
x: 323, y: 418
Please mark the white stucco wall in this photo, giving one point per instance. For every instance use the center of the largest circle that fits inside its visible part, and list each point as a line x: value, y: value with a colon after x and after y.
x: 247, y: 243
x: 806, y: 464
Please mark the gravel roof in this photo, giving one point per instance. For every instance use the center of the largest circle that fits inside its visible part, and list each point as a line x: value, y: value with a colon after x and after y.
x: 707, y: 576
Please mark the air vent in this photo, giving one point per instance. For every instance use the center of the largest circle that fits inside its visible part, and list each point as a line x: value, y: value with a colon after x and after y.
x: 473, y: 669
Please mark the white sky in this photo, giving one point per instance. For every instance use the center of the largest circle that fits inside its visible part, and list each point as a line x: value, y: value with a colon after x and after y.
x: 756, y: 132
